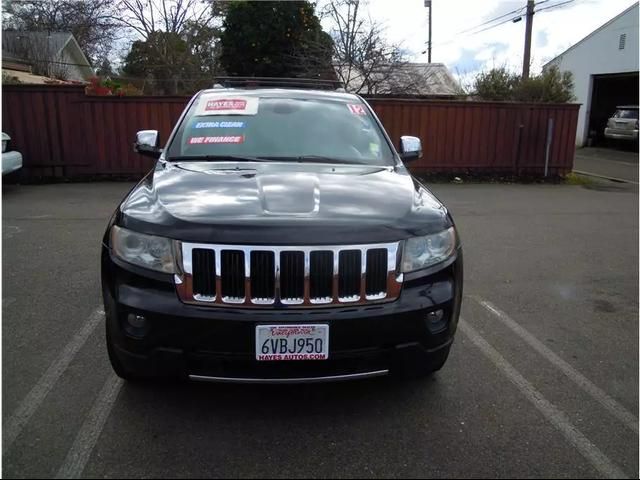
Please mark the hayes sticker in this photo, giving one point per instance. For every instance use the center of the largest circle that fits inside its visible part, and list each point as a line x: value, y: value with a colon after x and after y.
x: 225, y: 104
x: 222, y: 139
x: 214, y: 105
x: 219, y: 125
x: 356, y: 109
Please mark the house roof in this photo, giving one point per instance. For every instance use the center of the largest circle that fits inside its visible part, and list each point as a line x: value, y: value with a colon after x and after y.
x: 56, y: 41
x: 416, y: 79
x: 602, y: 27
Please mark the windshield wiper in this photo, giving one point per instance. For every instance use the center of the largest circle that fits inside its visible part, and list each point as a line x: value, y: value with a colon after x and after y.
x: 216, y: 158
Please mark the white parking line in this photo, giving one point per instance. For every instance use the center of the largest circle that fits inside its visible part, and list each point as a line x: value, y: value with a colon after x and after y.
x: 614, y: 407
x: 27, y: 407
x: 598, y: 459
x: 90, y: 431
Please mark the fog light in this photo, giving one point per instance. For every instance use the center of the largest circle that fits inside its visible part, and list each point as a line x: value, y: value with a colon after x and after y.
x: 136, y: 321
x: 435, y: 317
x: 435, y: 321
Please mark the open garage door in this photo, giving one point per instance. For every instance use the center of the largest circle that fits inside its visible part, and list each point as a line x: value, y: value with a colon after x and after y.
x: 608, y: 92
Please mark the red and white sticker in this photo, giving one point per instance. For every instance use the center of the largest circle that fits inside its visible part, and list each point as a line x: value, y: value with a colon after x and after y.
x: 216, y: 105
x: 220, y: 139
x: 357, y: 109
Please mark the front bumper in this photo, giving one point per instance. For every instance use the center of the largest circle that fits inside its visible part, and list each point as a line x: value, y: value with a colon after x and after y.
x: 217, y: 343
x: 620, y: 134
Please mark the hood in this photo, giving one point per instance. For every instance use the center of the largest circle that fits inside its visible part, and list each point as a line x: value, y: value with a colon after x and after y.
x: 281, y: 203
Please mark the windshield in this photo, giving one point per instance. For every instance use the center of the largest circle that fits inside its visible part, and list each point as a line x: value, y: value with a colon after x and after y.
x: 295, y: 129
x: 626, y: 113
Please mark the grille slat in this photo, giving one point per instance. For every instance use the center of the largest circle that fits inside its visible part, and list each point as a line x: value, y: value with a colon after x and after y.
x: 232, y: 265
x: 204, y: 278
x: 262, y: 275
x: 321, y: 275
x: 291, y: 275
x: 376, y: 276
x: 349, y: 275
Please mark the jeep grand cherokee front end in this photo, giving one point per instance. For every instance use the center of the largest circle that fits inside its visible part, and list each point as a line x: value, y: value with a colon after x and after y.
x: 279, y: 238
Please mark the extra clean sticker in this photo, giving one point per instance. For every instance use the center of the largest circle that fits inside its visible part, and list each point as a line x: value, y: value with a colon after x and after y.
x: 221, y: 139
x: 357, y: 109
x: 219, y: 125
x: 216, y: 105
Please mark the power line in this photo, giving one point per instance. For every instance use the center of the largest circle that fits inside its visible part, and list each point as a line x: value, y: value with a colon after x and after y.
x: 514, y: 17
x: 486, y: 23
x: 554, y: 6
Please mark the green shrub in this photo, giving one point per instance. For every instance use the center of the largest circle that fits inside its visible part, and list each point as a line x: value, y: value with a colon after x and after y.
x: 551, y: 86
x: 496, y: 84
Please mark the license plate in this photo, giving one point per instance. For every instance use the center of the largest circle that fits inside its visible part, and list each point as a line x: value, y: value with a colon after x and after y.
x: 292, y: 342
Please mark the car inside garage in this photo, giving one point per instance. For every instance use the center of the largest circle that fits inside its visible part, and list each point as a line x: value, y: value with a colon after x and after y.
x: 609, y: 91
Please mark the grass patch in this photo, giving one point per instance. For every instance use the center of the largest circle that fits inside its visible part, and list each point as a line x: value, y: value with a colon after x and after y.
x: 575, y: 179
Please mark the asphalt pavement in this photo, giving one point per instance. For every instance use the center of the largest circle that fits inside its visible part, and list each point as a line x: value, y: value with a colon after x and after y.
x: 614, y: 163
x: 542, y: 381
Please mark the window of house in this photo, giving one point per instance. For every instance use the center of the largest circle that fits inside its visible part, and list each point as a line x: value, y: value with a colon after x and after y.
x: 623, y: 40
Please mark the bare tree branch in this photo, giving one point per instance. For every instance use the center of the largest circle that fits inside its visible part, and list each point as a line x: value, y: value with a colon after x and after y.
x: 365, y: 62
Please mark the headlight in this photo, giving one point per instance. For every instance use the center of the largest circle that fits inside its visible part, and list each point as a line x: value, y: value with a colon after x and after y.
x: 4, y: 145
x: 148, y: 251
x: 422, y: 252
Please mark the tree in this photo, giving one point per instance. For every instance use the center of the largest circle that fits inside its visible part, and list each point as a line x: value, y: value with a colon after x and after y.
x: 550, y: 86
x: 92, y: 22
x: 177, y: 48
x: 496, y: 84
x: 165, y: 60
x: 145, y: 17
x: 364, y: 60
x: 274, y: 39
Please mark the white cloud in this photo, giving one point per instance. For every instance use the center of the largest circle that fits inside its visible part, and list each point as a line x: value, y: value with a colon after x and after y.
x: 553, y: 31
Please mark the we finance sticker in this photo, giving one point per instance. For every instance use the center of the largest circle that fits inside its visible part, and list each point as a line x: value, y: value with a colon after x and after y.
x: 219, y: 125
x: 220, y: 139
x: 216, y: 105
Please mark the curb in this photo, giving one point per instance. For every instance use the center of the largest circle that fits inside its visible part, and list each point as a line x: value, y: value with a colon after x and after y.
x: 613, y: 179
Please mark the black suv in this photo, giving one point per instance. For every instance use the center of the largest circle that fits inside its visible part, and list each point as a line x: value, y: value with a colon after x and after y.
x: 279, y: 238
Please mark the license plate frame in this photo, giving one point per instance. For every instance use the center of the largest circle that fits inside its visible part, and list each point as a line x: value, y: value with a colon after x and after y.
x: 302, y: 342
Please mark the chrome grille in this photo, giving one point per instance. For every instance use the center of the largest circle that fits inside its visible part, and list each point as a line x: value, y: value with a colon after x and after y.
x: 260, y: 276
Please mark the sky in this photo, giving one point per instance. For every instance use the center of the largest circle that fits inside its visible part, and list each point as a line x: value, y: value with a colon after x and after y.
x: 554, y: 30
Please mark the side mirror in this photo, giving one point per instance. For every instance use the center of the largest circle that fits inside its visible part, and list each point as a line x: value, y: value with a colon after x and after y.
x: 410, y: 148
x: 148, y: 143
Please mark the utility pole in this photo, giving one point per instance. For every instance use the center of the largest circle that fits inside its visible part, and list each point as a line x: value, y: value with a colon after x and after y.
x: 527, y: 39
x: 427, y: 3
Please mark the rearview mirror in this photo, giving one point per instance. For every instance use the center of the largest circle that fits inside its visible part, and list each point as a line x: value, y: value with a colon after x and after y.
x: 410, y: 148
x: 148, y: 143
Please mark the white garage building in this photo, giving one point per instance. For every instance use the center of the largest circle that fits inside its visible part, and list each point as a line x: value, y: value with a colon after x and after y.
x: 605, y: 72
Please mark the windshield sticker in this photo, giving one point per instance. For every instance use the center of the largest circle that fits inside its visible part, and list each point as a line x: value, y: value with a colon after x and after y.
x: 356, y: 109
x: 213, y: 105
x: 219, y: 125
x: 208, y: 140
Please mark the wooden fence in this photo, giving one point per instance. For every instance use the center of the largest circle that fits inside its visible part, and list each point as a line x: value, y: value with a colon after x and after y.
x: 64, y: 134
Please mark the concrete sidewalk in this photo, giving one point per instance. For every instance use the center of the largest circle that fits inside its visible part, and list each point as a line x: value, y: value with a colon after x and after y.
x: 607, y: 162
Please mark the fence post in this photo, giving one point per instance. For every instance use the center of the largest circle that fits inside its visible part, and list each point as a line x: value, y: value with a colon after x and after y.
x: 549, y: 140
x: 520, y: 129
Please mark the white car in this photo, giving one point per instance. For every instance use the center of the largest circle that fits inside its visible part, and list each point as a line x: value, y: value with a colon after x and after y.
x: 11, y: 161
